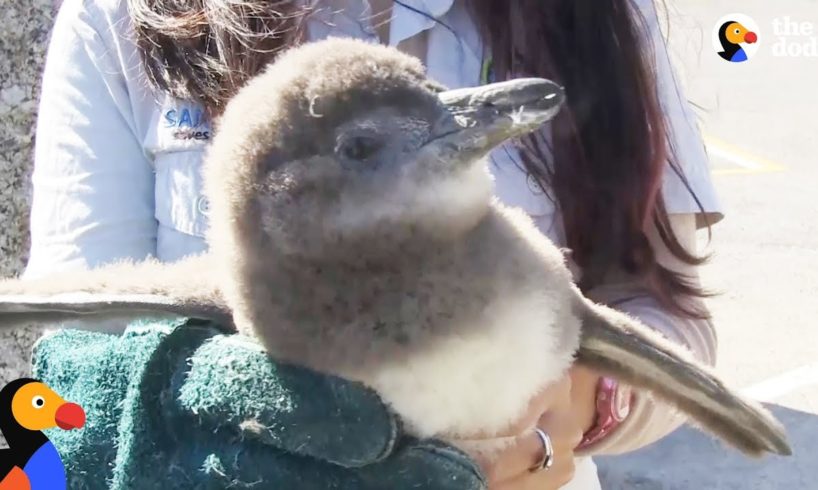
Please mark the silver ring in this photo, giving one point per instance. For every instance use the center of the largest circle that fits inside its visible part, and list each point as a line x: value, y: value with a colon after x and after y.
x: 547, y: 459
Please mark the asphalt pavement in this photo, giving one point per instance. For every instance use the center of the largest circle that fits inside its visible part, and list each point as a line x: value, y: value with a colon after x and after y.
x: 760, y: 124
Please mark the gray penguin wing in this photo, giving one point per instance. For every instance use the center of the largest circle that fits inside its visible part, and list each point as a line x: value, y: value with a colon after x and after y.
x: 102, y: 308
x: 614, y: 343
x: 117, y: 293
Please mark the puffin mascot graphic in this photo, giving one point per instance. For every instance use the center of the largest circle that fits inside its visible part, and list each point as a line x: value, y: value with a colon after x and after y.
x: 732, y: 35
x: 31, y: 461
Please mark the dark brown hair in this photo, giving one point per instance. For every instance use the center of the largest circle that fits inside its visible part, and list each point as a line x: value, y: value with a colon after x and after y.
x: 205, y: 50
x: 608, y: 147
x: 609, y: 144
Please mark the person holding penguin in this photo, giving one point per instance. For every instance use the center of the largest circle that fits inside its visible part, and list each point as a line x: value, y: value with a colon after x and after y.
x: 620, y: 177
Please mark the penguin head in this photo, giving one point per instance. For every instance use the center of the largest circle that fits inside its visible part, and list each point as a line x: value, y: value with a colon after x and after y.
x: 344, y: 151
x: 735, y: 33
x: 36, y: 407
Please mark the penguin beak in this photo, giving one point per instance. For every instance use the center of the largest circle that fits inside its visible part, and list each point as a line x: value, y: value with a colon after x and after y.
x: 478, y: 119
x: 750, y: 37
x: 70, y: 416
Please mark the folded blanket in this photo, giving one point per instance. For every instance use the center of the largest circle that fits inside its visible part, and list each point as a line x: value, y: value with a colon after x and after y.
x: 180, y: 404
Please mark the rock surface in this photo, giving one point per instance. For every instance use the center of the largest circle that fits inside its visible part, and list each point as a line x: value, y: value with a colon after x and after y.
x: 24, y: 30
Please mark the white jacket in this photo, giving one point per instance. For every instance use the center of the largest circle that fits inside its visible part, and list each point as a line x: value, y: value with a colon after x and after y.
x: 117, y: 167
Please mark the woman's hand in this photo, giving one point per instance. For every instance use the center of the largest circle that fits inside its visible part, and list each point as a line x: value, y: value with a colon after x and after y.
x: 564, y: 411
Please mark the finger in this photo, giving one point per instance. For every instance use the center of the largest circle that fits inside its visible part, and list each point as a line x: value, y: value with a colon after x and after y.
x: 528, y: 450
x: 560, y: 394
x: 555, y: 395
x: 563, y: 427
x: 578, y: 372
x: 557, y: 476
x: 515, y: 460
x: 584, y: 388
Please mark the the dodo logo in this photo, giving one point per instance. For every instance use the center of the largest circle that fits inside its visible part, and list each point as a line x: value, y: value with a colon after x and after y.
x: 736, y: 38
x: 31, y: 462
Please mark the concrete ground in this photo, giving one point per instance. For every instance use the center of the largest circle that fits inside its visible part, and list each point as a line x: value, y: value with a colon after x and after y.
x: 759, y: 120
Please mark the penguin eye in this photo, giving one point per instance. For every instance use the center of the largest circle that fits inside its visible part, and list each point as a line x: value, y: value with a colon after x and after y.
x: 38, y: 402
x: 738, y: 31
x: 359, y: 148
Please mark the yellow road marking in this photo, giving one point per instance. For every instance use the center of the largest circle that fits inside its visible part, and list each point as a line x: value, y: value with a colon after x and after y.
x: 745, y: 162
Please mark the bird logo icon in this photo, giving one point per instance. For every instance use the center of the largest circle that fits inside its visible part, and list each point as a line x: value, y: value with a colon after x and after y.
x: 737, y: 38
x: 31, y: 462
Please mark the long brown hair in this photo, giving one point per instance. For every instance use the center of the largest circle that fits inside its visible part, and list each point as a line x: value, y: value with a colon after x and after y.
x: 608, y: 147
x: 205, y: 50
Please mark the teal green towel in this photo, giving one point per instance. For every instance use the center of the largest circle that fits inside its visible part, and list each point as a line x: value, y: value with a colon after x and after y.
x: 181, y: 405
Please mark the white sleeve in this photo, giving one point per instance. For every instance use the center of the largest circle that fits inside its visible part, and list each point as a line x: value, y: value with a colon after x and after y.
x: 93, y: 187
x: 685, y: 139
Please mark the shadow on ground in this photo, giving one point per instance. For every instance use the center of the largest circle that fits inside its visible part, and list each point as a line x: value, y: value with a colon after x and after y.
x: 689, y: 459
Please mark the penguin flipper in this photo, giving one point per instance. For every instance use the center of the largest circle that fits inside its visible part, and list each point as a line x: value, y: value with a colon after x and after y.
x: 101, y: 308
x: 117, y: 294
x: 615, y: 344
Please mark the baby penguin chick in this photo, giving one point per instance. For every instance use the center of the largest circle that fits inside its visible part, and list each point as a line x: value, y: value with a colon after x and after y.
x: 353, y: 231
